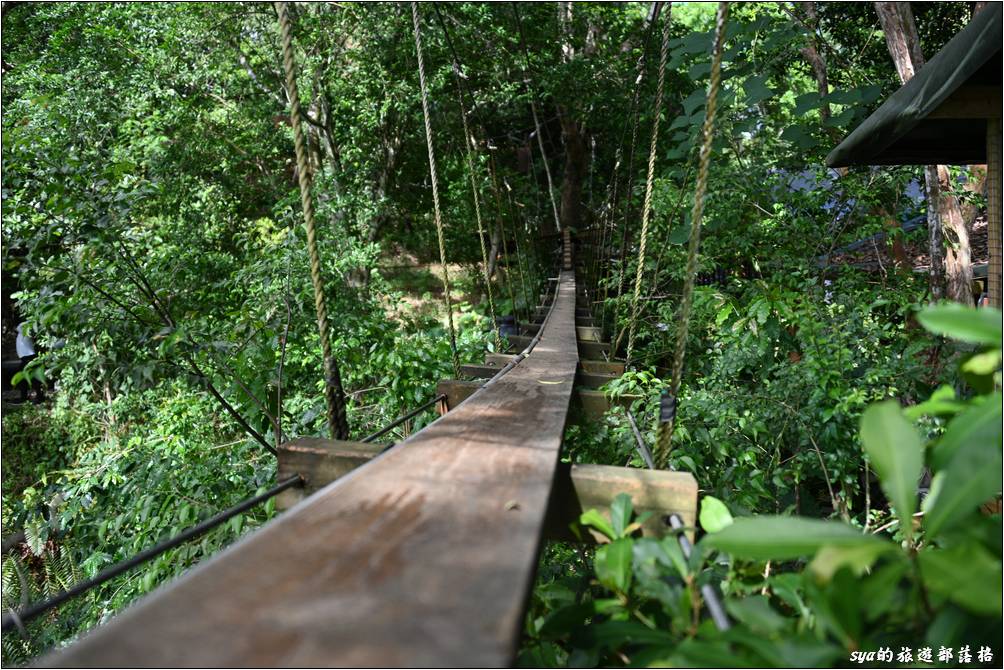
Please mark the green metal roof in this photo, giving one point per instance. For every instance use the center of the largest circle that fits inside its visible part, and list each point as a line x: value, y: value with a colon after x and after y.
x: 899, y: 132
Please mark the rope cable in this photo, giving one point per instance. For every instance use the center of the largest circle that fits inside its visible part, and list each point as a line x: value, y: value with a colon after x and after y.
x: 435, y: 188
x: 334, y: 394
x: 14, y: 619
x: 470, y: 147
x: 536, y: 119
x: 668, y: 422
x: 646, y: 214
x: 640, y: 68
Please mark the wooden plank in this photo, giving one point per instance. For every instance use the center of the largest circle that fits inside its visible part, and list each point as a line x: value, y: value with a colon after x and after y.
x: 320, y: 462
x: 576, y: 488
x: 592, y: 405
x: 588, y: 334
x: 970, y: 102
x: 457, y: 390
x: 594, y: 350
x: 607, y: 367
x: 592, y: 380
x: 498, y: 360
x: 422, y: 557
x: 479, y: 371
x: 580, y: 487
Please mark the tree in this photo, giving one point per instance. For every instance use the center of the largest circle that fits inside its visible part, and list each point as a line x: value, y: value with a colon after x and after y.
x: 945, y: 220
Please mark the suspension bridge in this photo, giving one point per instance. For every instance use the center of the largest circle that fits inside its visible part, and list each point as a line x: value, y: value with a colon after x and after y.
x: 422, y: 556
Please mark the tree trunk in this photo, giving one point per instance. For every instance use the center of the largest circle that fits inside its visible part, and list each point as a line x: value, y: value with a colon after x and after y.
x: 493, y: 252
x: 576, y: 154
x: 576, y: 165
x: 815, y: 59
x: 943, y: 212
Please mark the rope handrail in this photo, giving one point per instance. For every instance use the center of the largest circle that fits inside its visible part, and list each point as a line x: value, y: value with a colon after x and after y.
x: 16, y: 619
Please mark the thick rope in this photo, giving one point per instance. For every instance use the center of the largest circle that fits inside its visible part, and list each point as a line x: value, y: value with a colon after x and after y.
x: 435, y: 189
x: 646, y: 213
x: 471, y: 150
x: 640, y: 69
x: 334, y: 394
x: 668, y: 421
x: 536, y: 119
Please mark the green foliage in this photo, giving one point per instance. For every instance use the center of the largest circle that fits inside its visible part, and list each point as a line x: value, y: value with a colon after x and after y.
x: 803, y: 591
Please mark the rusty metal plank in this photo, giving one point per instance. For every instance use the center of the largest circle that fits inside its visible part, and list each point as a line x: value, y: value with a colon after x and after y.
x: 422, y: 557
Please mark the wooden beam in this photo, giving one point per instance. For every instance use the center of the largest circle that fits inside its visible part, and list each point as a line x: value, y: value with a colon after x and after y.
x: 593, y: 380
x: 603, y: 367
x: 479, y: 371
x: 970, y: 102
x: 496, y: 360
x: 581, y: 487
x: 594, y: 350
x: 588, y: 334
x: 422, y: 557
x: 319, y: 461
x: 577, y: 488
x: 590, y: 405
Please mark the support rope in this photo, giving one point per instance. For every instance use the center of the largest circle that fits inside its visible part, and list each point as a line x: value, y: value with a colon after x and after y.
x: 435, y: 189
x: 646, y: 213
x: 536, y: 119
x: 668, y: 421
x: 334, y: 394
x: 470, y: 147
x: 640, y: 69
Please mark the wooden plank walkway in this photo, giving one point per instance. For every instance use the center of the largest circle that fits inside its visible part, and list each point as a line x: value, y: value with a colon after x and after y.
x: 423, y: 557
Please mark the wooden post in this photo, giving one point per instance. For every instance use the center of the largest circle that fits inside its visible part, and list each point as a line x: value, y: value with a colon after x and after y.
x: 994, y: 209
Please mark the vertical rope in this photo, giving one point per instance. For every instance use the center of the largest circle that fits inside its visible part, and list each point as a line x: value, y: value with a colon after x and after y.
x: 536, y: 120
x: 471, y: 150
x: 333, y: 392
x: 665, y: 435
x: 646, y: 213
x: 521, y: 262
x: 435, y: 188
x: 505, y: 243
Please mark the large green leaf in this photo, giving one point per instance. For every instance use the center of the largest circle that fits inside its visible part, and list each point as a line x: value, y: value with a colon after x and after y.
x: 972, y: 476
x: 858, y: 558
x: 966, y: 574
x: 613, y: 564
x: 980, y: 326
x: 896, y: 453
x: 756, y: 89
x: 714, y: 514
x: 784, y: 537
x: 595, y: 519
x: 980, y: 423
x: 621, y: 511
